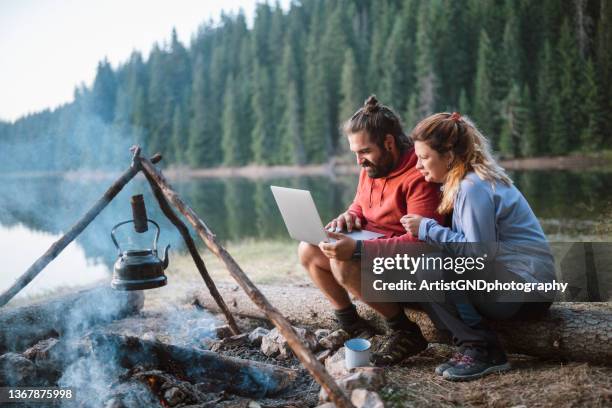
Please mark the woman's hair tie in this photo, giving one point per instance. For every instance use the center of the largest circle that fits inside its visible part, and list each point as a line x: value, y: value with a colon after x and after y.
x: 455, y: 116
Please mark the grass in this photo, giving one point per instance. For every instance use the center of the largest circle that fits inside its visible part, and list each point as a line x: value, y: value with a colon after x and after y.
x: 264, y: 262
x: 531, y: 383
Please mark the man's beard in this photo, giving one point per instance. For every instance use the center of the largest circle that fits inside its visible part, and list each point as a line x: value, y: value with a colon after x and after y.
x: 382, y: 168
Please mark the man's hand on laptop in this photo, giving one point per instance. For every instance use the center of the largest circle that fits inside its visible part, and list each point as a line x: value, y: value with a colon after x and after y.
x: 345, y: 221
x: 342, y: 249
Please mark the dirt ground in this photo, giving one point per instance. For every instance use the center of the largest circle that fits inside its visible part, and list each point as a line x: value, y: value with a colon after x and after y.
x: 413, y: 383
x: 532, y: 382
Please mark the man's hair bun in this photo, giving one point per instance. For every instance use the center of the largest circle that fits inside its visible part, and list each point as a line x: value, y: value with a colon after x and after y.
x: 371, y: 105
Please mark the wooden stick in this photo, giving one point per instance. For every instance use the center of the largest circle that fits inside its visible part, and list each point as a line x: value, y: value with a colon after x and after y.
x: 58, y: 246
x: 301, y: 351
x: 197, y: 259
x: 238, y: 376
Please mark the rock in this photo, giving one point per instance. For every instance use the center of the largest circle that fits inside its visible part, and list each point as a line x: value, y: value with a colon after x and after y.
x: 114, y: 403
x: 274, y: 344
x: 366, y: 399
x: 16, y: 370
x: 327, y: 405
x: 368, y: 378
x: 174, y: 396
x: 232, y: 341
x: 322, y: 356
x: 320, y: 333
x: 257, y: 334
x: 335, y: 364
x: 223, y: 331
x: 40, y: 350
x: 254, y: 404
x: 334, y: 340
x: 150, y: 336
x: 372, y: 378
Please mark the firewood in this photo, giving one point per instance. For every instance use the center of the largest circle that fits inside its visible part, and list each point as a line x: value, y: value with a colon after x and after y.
x: 570, y: 331
x: 238, y: 376
x: 305, y: 356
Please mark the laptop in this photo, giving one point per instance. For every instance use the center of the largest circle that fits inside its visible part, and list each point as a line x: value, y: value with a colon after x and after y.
x: 302, y: 218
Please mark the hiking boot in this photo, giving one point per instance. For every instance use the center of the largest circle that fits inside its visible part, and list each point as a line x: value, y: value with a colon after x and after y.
x: 476, y: 362
x: 453, y: 361
x: 397, y: 346
x: 361, y: 328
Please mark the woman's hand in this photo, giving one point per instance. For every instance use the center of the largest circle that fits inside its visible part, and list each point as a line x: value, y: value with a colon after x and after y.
x: 341, y: 250
x: 411, y: 223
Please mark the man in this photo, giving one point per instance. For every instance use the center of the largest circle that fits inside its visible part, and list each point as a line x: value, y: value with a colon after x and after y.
x: 389, y: 186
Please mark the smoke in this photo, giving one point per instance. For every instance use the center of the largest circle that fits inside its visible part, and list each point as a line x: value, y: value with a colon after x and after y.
x: 98, y: 372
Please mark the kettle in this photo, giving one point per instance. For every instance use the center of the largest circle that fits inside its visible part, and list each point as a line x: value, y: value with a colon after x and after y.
x: 139, y: 269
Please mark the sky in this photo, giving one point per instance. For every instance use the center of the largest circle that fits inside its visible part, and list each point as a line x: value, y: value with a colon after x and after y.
x: 48, y: 47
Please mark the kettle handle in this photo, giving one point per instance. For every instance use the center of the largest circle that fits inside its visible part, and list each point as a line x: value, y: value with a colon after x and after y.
x: 127, y: 222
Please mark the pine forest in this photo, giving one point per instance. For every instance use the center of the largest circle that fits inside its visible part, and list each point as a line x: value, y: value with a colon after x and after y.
x: 533, y: 74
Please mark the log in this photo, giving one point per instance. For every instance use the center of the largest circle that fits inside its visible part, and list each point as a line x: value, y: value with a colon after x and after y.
x: 58, y: 246
x: 302, y: 352
x: 568, y: 331
x: 241, y: 377
x: 22, y: 327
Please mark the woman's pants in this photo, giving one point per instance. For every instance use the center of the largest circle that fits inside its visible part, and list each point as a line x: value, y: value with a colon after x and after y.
x: 465, y: 315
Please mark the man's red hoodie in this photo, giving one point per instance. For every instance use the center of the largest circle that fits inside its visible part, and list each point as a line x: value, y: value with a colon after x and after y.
x: 381, y: 202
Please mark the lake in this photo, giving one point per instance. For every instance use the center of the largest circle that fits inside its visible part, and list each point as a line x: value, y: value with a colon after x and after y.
x: 35, y: 211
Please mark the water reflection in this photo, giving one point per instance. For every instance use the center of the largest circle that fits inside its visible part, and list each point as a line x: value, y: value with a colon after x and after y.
x: 35, y: 211
x: 24, y: 245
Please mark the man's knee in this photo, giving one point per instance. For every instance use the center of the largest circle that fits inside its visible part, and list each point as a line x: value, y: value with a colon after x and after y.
x: 346, y: 273
x: 307, y: 253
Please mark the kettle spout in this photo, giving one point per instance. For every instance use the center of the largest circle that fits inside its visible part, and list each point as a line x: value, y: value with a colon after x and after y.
x: 166, y: 259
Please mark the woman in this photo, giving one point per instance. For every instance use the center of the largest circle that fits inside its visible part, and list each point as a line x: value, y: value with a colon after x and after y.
x: 488, y: 214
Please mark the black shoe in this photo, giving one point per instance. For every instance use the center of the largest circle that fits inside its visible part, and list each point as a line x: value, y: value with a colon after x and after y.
x: 477, y: 362
x: 397, y: 346
x: 361, y: 328
x: 453, y: 361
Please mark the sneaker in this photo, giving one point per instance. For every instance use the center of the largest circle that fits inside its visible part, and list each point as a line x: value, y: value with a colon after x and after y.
x: 476, y: 362
x: 397, y: 346
x: 453, y: 361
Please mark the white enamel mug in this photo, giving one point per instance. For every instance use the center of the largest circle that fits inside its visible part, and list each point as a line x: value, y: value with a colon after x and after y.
x: 357, y: 353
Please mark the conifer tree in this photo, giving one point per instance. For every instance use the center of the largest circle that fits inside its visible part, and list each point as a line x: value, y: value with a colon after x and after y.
x: 484, y: 112
x: 570, y: 66
x: 104, y: 92
x: 425, y: 76
x: 264, y: 143
x: 545, y: 97
x: 412, y: 116
x: 512, y: 126
x: 351, y: 86
x: 204, y: 146
x: 603, y: 69
x: 291, y: 125
x: 398, y: 68
x: 590, y: 137
x: 528, y: 143
x: 317, y: 127
x: 179, y: 135
x: 332, y: 58
x: 464, y: 103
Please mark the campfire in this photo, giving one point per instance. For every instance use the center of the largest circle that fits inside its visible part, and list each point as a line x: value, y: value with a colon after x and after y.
x: 175, y: 357
x: 103, y: 346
